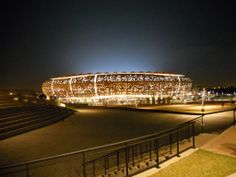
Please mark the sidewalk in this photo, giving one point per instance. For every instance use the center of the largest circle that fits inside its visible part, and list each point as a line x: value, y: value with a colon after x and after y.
x: 225, y: 143
x: 190, y: 108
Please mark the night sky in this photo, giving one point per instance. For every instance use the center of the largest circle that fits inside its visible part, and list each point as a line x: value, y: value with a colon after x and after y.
x: 43, y: 39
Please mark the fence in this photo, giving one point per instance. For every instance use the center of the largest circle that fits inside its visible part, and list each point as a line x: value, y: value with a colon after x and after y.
x: 144, y: 153
x: 122, y: 159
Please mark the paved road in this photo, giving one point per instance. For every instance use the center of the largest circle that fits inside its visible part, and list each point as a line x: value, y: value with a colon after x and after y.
x: 93, y: 127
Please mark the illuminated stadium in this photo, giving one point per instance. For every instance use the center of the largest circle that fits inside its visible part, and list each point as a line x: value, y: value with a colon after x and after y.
x: 118, y: 88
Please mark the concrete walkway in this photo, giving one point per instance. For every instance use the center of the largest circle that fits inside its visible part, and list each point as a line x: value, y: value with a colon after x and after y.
x: 233, y: 175
x: 191, y: 108
x: 225, y: 143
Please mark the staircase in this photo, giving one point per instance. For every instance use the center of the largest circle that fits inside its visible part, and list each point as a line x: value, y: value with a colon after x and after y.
x: 17, y: 118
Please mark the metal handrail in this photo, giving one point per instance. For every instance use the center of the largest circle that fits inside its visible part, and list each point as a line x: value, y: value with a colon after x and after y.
x: 152, y: 137
x: 94, y: 148
x: 102, y: 146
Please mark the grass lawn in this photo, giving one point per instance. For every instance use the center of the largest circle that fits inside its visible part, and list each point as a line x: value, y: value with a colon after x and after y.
x: 200, y: 164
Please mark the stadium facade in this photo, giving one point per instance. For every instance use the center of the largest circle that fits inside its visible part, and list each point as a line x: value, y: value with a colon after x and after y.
x: 118, y: 88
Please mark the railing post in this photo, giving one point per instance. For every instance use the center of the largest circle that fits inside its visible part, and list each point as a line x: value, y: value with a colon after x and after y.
x: 202, y: 125
x: 133, y: 154
x: 177, y: 142
x: 27, y: 170
x: 193, y: 134
x: 157, y: 152
x: 84, y: 171
x: 105, y: 165
x: 128, y: 154
x: 126, y: 161
x: 146, y: 150
x: 94, y: 170
x: 141, y: 151
x: 189, y: 132
x: 234, y: 121
x: 118, y: 160
x: 107, y: 162
x: 150, y: 149
x: 171, y: 143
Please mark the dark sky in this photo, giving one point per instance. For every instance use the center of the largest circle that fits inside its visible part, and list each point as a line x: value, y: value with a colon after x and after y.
x: 43, y: 39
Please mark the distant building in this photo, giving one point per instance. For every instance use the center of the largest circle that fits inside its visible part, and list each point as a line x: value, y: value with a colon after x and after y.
x: 118, y: 88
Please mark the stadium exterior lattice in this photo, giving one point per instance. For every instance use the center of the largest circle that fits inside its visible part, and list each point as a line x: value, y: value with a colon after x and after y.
x: 118, y: 88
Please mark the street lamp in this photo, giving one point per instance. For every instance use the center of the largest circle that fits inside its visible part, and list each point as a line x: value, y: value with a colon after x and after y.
x: 222, y: 101
x: 203, y: 104
x: 203, y: 98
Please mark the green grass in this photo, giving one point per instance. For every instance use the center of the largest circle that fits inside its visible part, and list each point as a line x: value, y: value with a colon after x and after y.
x: 200, y: 164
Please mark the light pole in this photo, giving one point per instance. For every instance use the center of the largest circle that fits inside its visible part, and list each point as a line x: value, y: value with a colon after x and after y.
x: 203, y: 99
x: 222, y: 101
x: 203, y: 104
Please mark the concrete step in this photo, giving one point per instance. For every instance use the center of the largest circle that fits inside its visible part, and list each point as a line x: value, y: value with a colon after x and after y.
x: 34, y: 119
x: 26, y: 113
x: 34, y: 125
x: 15, y: 111
x: 25, y: 117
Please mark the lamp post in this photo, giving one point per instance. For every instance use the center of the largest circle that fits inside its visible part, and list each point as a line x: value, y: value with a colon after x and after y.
x: 222, y: 101
x: 203, y: 104
x: 203, y: 99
